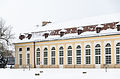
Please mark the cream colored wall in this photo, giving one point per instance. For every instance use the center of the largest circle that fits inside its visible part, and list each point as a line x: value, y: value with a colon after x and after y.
x: 65, y: 42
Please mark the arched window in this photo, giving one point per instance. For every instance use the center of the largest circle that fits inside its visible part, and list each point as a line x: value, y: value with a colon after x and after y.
x: 78, y: 54
x: 28, y: 49
x: 45, y: 56
x: 118, y: 53
x: 28, y: 56
x: 61, y: 55
x: 97, y: 54
x: 38, y: 56
x: 108, y: 53
x: 20, y: 56
x: 53, y: 56
x: 20, y: 49
x: 69, y: 55
x: 87, y: 54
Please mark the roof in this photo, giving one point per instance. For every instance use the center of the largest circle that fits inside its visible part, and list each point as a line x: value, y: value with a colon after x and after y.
x: 98, y: 20
x: 81, y: 22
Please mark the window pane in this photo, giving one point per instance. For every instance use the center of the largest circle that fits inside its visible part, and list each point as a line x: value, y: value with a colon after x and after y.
x: 108, y: 59
x: 87, y: 51
x: 45, y: 61
x: 78, y: 52
x: 53, y: 53
x: 69, y: 60
x: 38, y: 61
x: 28, y: 49
x: 20, y: 49
x: 20, y: 59
x: 53, y: 61
x: 117, y: 59
x: 45, y: 54
x: 69, y: 52
x: 61, y: 53
x: 88, y: 60
x: 78, y: 60
x: 38, y: 54
x: 61, y: 60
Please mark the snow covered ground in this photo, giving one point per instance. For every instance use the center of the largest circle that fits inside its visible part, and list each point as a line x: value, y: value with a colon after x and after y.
x: 59, y: 74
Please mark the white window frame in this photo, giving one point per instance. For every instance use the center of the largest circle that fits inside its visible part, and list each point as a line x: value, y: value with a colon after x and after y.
x: 78, y: 55
x: 69, y: 56
x: 116, y: 53
x: 88, y: 55
x: 20, y: 52
x: 43, y: 55
x: 37, y: 57
x: 52, y: 56
x: 97, y: 55
x: 108, y: 54
x: 27, y: 52
x: 60, y: 56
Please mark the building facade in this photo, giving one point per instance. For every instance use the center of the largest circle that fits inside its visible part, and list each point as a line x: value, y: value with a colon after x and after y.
x: 88, y: 47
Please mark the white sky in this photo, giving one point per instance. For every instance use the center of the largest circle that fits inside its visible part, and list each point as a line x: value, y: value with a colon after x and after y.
x: 23, y: 15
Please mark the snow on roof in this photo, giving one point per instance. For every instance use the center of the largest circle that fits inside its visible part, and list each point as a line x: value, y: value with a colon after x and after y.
x: 118, y: 23
x: 82, y: 22
x: 69, y: 36
x: 80, y: 28
x: 79, y: 24
x: 63, y: 30
x: 99, y: 25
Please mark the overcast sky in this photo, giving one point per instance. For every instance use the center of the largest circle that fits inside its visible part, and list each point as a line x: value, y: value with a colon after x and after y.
x: 25, y: 14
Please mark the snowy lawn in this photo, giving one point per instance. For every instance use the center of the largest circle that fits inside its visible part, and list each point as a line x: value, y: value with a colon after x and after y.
x: 59, y: 74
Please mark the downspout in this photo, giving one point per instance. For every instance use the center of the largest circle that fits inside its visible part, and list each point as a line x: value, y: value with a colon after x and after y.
x: 34, y: 54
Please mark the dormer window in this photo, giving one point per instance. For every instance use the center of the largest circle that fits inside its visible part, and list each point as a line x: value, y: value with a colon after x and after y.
x: 98, y: 28
x: 46, y: 34
x: 80, y: 30
x: 21, y: 37
x: 62, y: 32
x: 118, y: 26
x: 29, y: 36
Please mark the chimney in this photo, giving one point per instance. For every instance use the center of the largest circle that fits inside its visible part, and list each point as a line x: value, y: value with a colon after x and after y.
x: 118, y: 26
x: 98, y: 28
x: 21, y: 37
x: 62, y: 32
x: 45, y: 23
x: 80, y: 30
x: 29, y: 36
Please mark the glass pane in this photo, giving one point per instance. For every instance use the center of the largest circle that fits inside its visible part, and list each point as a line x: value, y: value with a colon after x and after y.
x: 78, y: 60
x: 69, y: 60
x: 78, y: 52
x: 69, y: 52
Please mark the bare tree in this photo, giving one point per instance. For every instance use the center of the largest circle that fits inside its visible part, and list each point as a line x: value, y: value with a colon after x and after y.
x: 5, y: 34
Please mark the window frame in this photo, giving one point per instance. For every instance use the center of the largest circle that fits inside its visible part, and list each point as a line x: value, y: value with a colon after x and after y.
x: 98, y: 49
x: 19, y: 59
x: 38, y: 62
x: 53, y: 56
x: 45, y: 58
x: 108, y: 53
x: 87, y: 54
x: 69, y: 55
x: 117, y: 53
x: 61, y: 57
x: 78, y: 56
